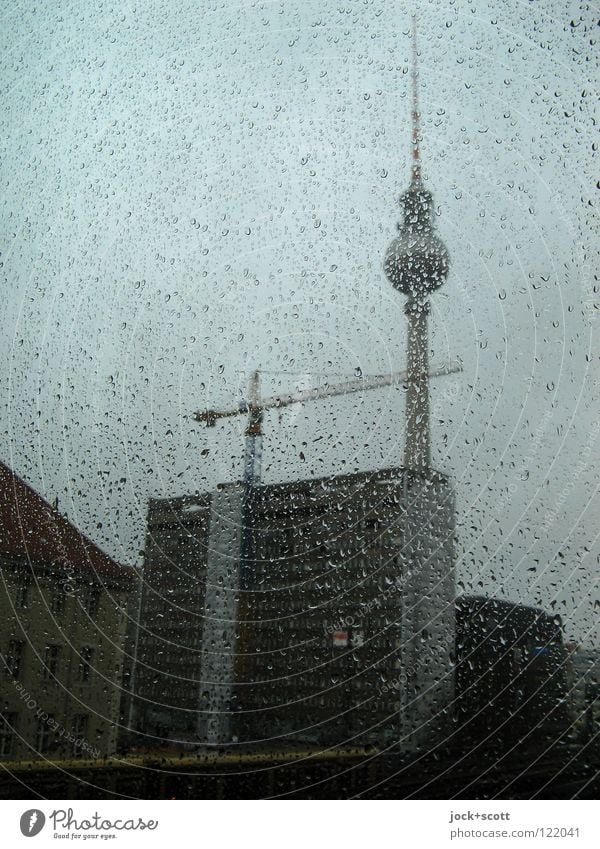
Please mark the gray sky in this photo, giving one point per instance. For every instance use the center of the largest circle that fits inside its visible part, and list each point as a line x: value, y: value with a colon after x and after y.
x: 192, y: 190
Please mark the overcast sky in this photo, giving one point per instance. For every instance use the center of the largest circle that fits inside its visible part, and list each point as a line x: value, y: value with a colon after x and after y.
x: 192, y: 190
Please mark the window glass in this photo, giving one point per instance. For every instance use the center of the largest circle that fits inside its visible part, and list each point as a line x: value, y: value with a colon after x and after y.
x: 299, y: 399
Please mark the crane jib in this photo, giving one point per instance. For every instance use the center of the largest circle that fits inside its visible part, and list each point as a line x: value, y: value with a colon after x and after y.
x: 377, y: 381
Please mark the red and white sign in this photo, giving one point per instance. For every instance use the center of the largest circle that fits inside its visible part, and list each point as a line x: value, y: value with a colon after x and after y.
x: 340, y: 638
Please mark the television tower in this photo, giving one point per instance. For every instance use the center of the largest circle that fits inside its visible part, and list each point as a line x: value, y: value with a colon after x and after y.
x: 417, y: 264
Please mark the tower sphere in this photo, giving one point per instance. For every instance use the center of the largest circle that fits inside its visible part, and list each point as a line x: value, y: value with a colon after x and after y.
x: 417, y: 261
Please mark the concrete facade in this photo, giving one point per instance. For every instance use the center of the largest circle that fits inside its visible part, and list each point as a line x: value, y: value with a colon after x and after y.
x: 168, y: 621
x: 221, y: 611
x: 351, y: 635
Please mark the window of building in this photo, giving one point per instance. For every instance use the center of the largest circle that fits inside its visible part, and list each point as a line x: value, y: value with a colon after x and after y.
x: 14, y: 657
x: 371, y: 524
x: 85, y: 664
x: 57, y: 605
x: 91, y: 600
x: 80, y: 732
x: 43, y: 737
x: 8, y: 724
x: 51, y: 661
x: 23, y: 592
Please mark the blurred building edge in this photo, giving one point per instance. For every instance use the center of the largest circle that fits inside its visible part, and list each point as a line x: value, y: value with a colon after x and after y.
x: 62, y: 629
x: 512, y: 674
x: 584, y: 686
x: 335, y: 626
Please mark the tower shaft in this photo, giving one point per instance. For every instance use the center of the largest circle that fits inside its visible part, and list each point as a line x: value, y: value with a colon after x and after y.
x: 417, y: 450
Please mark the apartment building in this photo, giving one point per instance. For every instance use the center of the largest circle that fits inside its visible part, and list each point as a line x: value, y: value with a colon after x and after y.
x: 62, y: 627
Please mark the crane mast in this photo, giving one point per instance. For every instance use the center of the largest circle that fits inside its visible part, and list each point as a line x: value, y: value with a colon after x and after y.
x: 254, y: 435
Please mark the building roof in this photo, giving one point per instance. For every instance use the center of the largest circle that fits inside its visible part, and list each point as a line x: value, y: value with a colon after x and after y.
x: 34, y: 532
x: 328, y: 483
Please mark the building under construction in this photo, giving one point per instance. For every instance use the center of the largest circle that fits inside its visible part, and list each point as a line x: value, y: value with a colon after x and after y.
x: 312, y: 637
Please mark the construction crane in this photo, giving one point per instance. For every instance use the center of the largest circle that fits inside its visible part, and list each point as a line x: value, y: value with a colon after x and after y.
x: 255, y: 406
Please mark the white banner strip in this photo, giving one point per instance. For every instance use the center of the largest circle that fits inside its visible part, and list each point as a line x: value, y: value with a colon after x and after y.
x: 302, y: 824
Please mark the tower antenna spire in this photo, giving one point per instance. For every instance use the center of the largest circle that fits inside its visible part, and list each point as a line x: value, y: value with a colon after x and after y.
x: 416, y: 129
x: 417, y: 264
